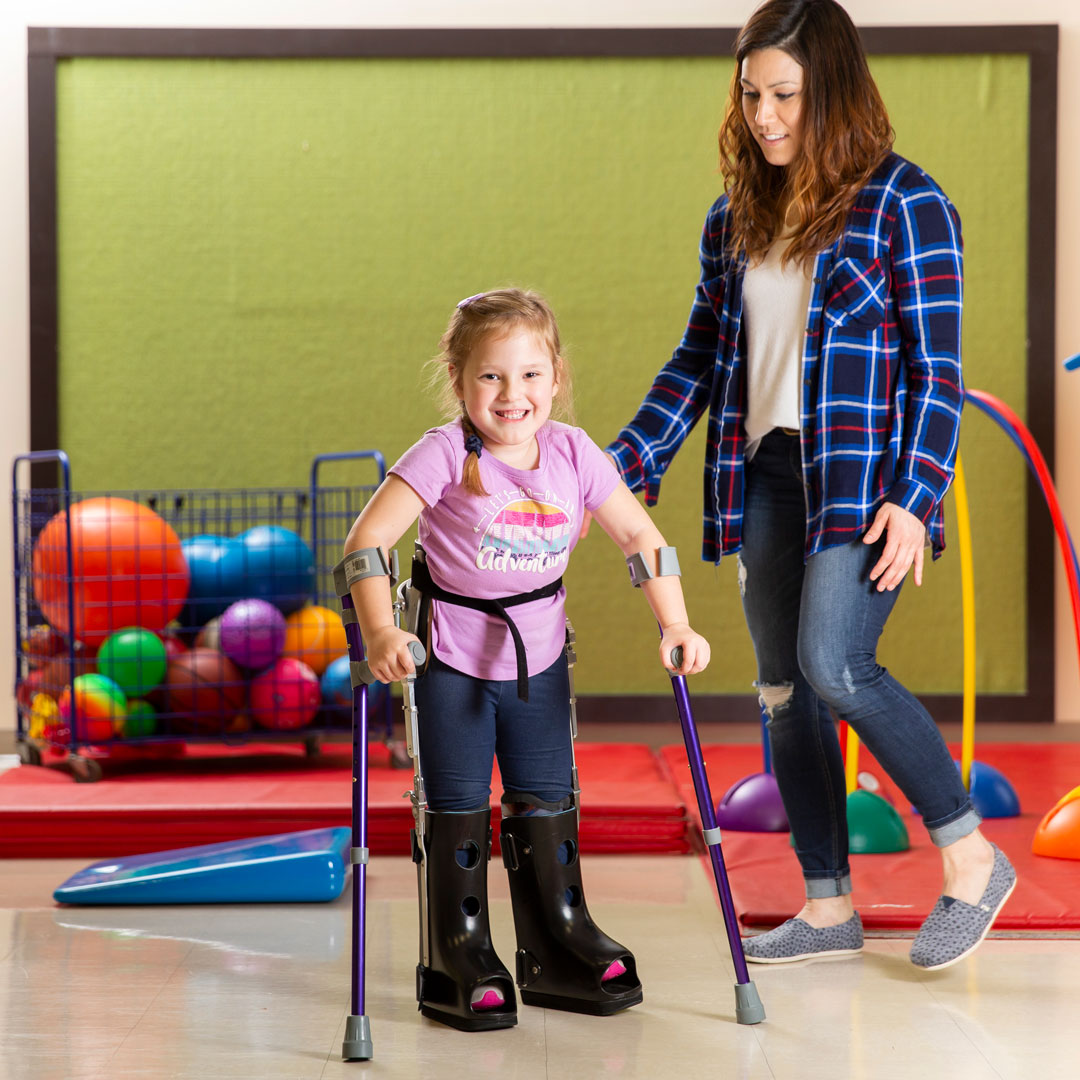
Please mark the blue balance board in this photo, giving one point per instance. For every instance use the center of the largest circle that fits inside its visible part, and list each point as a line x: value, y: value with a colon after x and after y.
x: 309, y: 865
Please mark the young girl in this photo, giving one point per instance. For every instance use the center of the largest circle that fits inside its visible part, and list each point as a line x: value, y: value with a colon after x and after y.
x: 500, y: 492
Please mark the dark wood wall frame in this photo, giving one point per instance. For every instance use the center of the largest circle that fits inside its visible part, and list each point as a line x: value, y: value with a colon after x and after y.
x: 47, y: 45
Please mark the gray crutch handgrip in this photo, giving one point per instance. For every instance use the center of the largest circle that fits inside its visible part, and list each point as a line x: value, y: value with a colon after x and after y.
x: 361, y: 673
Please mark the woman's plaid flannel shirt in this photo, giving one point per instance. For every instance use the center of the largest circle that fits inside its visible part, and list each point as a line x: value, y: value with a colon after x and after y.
x: 881, y: 383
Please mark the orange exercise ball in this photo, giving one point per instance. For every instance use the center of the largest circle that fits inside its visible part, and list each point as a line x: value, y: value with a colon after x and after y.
x: 127, y: 569
x: 315, y: 635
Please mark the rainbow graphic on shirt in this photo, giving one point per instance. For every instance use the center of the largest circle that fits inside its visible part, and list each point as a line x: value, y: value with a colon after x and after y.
x: 526, y: 534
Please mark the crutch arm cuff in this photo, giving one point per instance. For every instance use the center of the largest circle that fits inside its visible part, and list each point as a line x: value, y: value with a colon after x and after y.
x: 667, y: 565
x: 357, y: 565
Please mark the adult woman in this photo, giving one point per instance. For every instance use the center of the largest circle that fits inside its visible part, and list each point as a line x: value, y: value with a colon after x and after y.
x: 825, y: 342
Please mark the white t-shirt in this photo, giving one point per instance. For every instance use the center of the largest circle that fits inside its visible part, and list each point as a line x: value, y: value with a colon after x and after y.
x: 775, y: 302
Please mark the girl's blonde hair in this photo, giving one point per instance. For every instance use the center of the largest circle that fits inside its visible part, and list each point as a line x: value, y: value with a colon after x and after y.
x: 476, y: 319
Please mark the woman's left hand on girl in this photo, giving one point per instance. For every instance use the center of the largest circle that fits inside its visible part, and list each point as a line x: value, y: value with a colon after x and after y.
x: 904, y: 543
x: 694, y: 647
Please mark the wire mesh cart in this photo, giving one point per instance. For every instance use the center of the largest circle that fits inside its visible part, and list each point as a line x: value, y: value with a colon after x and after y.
x: 146, y: 620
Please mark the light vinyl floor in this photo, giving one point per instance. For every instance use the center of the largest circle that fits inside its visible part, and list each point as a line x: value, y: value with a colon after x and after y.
x: 263, y: 991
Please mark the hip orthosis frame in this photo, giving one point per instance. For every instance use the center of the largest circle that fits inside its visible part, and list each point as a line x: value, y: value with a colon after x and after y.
x: 562, y: 956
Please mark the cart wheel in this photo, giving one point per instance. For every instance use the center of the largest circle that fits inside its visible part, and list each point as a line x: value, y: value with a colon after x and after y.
x: 399, y: 755
x: 85, y: 770
x: 28, y: 753
x: 312, y: 745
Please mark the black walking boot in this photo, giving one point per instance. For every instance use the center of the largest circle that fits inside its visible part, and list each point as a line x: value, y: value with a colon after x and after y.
x: 464, y: 978
x: 562, y: 955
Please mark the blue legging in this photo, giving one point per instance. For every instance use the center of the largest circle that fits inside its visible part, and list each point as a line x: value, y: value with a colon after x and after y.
x: 466, y: 722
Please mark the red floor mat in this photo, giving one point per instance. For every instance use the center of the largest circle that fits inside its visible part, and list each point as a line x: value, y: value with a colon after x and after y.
x: 896, y: 892
x: 214, y: 793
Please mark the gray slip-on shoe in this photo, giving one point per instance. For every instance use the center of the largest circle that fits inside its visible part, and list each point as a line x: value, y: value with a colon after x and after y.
x: 955, y: 929
x: 798, y: 940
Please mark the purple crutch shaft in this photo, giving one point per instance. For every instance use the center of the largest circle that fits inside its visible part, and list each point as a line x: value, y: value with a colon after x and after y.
x: 708, y: 820
x: 359, y: 817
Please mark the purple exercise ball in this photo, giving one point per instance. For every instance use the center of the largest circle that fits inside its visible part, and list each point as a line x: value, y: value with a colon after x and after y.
x: 252, y: 633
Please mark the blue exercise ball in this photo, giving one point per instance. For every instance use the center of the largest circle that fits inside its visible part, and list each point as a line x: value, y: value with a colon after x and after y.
x: 336, y: 686
x: 216, y: 564
x: 279, y: 567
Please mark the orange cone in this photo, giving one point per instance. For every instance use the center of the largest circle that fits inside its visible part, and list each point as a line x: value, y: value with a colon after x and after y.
x: 1058, y: 834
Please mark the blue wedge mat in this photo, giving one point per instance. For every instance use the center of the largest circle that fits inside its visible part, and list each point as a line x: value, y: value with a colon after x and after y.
x: 309, y: 865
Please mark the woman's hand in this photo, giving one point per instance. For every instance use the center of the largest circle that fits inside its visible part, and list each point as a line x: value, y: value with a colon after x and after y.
x: 904, y: 543
x: 695, y: 649
x: 388, y: 654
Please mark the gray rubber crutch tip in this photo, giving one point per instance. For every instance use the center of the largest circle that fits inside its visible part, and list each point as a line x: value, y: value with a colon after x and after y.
x: 357, y: 1045
x: 748, y: 1007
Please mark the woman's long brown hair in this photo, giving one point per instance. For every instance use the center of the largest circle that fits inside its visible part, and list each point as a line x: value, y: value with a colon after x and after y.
x: 845, y: 132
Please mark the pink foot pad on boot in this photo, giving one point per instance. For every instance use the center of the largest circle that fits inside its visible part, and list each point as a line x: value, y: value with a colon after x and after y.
x: 486, y: 997
x: 615, y: 969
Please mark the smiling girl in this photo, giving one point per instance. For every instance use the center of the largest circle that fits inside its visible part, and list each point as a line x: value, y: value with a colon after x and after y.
x: 501, y: 492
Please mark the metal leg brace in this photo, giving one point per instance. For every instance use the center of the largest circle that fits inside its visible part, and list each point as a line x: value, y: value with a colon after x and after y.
x: 748, y: 1007
x: 571, y: 660
x: 456, y: 954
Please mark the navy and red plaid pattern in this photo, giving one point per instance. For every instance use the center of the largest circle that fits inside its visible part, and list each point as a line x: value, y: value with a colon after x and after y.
x: 881, y: 382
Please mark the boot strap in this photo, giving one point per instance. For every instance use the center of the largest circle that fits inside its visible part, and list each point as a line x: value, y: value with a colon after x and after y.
x: 513, y: 850
x: 528, y: 968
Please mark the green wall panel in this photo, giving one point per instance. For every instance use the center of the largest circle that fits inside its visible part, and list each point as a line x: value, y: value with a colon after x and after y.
x: 257, y: 258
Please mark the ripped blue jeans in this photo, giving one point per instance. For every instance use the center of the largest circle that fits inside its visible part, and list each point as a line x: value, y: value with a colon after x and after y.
x: 815, y: 627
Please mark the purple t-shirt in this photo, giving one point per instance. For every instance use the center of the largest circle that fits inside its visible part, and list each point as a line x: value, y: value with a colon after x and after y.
x: 515, y: 540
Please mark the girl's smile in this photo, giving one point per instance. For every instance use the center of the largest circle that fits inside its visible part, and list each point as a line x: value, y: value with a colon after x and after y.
x: 507, y: 386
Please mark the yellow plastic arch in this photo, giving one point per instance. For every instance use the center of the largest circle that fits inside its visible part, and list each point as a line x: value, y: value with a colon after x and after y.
x: 967, y: 605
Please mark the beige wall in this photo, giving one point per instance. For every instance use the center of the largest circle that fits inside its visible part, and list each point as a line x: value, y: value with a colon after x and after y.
x: 16, y: 16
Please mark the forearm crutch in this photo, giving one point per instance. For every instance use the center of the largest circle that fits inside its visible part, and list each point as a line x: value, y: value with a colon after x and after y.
x: 748, y: 1007
x: 357, y: 1044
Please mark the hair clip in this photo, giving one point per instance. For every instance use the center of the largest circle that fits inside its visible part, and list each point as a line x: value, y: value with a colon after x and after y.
x: 469, y: 299
x: 473, y: 444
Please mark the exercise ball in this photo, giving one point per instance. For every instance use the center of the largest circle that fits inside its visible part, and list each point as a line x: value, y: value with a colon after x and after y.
x: 216, y: 564
x: 285, y: 696
x: 42, y: 643
x: 278, y: 566
x: 203, y: 689
x: 336, y: 684
x: 315, y: 635
x: 93, y: 707
x: 52, y: 677
x: 134, y: 659
x: 141, y: 719
x: 173, y: 645
x: 209, y: 636
x: 127, y: 568
x: 252, y: 632
x: 336, y: 687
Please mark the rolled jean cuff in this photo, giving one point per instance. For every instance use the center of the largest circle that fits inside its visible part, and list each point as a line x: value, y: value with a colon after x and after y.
x: 822, y: 888
x: 957, y: 829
